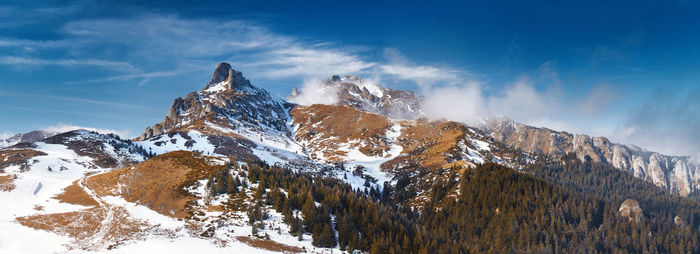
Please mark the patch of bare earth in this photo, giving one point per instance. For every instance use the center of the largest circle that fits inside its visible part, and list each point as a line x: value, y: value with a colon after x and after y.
x: 270, y: 245
x: 7, y: 183
x: 74, y: 194
x: 158, y: 183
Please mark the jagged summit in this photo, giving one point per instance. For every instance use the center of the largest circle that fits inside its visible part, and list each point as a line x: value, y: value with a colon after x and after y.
x: 229, y: 99
x: 221, y: 72
x: 369, y: 96
x: 226, y: 77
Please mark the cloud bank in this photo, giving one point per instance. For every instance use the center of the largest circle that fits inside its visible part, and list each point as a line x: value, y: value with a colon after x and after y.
x: 314, y: 92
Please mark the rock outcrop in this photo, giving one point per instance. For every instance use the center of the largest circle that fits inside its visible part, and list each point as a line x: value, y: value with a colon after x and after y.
x: 630, y: 209
x: 679, y: 222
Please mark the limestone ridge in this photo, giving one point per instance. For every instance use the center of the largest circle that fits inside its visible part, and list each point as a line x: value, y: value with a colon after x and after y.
x: 228, y: 98
x: 677, y: 174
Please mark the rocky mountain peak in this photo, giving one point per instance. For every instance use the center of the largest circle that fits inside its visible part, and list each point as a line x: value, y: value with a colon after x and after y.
x: 231, y: 79
x: 369, y: 96
x: 221, y: 72
x: 229, y: 99
x: 334, y: 78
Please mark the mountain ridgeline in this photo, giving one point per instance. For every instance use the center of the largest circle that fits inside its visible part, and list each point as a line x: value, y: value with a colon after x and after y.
x: 239, y: 168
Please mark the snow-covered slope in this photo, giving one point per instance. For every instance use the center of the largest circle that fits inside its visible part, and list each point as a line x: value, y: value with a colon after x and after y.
x: 34, y: 173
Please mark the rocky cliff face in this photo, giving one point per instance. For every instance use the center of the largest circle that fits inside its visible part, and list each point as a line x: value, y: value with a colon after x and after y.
x: 675, y: 173
x: 367, y: 96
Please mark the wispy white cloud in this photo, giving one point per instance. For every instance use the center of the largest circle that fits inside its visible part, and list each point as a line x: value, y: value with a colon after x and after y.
x: 145, y: 77
x: 70, y: 112
x: 313, y: 92
x: 33, y: 44
x: 300, y: 61
x: 106, y: 64
x: 398, y: 66
x: 166, y: 40
x: 6, y: 134
x: 75, y: 99
x: 474, y: 102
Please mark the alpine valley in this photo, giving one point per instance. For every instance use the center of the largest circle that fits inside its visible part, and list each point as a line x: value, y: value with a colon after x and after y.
x: 234, y: 169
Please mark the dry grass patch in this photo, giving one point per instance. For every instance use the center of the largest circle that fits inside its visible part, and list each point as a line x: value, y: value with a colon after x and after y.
x: 429, y: 143
x: 158, y: 183
x: 74, y: 194
x: 270, y: 245
x: 330, y: 125
x: 7, y: 183
x: 92, y: 228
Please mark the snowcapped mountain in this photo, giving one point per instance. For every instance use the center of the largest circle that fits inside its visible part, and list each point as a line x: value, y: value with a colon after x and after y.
x: 228, y: 117
x: 368, y: 96
x: 370, y: 126
x: 26, y: 137
x: 362, y: 134
x: 191, y: 180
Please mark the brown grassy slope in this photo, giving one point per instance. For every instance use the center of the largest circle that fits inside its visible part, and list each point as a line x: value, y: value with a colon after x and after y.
x: 6, y: 183
x: 429, y: 144
x: 86, y: 225
x: 74, y: 194
x: 330, y: 126
x: 270, y: 245
x: 157, y: 183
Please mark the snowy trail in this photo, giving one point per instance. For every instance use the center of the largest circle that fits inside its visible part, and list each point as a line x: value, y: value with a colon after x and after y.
x: 106, y: 223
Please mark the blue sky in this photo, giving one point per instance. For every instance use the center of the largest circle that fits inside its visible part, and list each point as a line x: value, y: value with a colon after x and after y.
x: 626, y: 70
